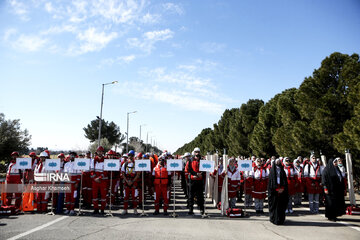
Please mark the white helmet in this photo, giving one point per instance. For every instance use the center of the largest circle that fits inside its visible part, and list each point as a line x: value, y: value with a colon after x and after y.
x: 187, y: 154
x: 196, y: 149
x: 44, y: 154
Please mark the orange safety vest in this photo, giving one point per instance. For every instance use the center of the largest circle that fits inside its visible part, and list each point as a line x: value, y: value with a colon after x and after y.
x: 161, y: 175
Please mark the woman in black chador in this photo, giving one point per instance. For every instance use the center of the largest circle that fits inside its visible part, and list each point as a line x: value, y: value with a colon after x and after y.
x: 278, y: 193
x: 334, y: 188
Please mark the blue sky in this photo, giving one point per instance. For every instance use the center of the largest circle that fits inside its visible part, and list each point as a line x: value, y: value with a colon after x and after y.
x: 179, y: 64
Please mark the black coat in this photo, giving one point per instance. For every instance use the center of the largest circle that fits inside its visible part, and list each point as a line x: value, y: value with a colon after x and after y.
x: 277, y: 201
x: 333, y: 181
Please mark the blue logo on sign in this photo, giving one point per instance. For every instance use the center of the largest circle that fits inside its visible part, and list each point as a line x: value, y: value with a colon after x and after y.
x: 206, y: 165
x: 111, y: 165
x: 24, y: 163
x: 52, y: 164
x: 81, y: 164
x: 245, y: 165
x: 174, y: 165
x: 142, y: 165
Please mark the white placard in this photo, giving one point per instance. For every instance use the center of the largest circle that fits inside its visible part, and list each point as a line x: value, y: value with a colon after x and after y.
x: 52, y: 164
x: 23, y: 163
x: 143, y: 165
x: 174, y: 165
x: 245, y: 165
x: 82, y: 164
x: 111, y: 164
x: 207, y: 166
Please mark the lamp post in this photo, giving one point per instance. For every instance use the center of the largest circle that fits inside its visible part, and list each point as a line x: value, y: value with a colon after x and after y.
x: 147, y: 139
x: 140, y: 130
x: 102, y: 102
x: 127, y: 132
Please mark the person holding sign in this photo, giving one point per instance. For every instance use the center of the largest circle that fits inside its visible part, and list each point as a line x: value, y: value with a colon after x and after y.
x: 99, y: 181
x: 115, y: 178
x: 13, y: 176
x: 130, y: 177
x: 196, y: 183
x: 162, y: 183
x: 75, y: 175
x: 40, y: 196
x: 29, y: 173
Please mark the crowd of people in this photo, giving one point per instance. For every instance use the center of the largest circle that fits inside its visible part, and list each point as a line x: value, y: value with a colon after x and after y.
x: 280, y: 181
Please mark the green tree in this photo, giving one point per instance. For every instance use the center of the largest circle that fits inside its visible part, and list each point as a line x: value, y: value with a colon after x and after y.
x: 12, y: 138
x: 103, y: 142
x: 242, y: 127
x: 110, y: 131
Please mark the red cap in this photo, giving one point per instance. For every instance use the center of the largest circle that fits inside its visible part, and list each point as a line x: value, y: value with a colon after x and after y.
x: 14, y: 153
x: 139, y: 155
x: 111, y: 152
x: 100, y: 149
x: 32, y: 154
x: 61, y: 155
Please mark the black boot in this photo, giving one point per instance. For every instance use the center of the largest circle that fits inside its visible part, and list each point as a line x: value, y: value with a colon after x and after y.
x: 102, y: 212
x: 166, y: 213
x: 191, y: 211
x: 96, y: 211
x: 156, y: 212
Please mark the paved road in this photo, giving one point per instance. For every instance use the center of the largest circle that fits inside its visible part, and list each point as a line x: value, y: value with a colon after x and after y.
x: 300, y: 225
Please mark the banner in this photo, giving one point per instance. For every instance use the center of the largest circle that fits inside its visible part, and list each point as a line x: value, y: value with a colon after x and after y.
x: 206, y: 166
x: 245, y: 165
x: 111, y: 165
x: 23, y: 163
x: 174, y: 165
x: 52, y: 164
x: 82, y: 164
x: 143, y: 165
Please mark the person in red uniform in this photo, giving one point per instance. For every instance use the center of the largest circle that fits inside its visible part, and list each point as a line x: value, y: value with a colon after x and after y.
x: 300, y: 186
x: 259, y: 183
x: 115, y: 177
x: 292, y: 180
x: 75, y: 176
x: 40, y: 196
x: 130, y: 178
x: 162, y: 183
x: 218, y: 171
x: 196, y: 183
x: 13, y: 176
x: 29, y: 173
x: 87, y: 185
x: 99, y: 181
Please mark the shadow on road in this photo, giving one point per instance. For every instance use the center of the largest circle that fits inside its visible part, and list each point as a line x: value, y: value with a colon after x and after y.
x: 312, y: 224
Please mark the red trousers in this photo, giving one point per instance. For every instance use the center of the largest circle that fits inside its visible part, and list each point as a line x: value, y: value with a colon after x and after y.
x: 13, y: 179
x: 41, y: 202
x: 127, y: 191
x: 87, y: 188
x: 70, y: 199
x: 161, y: 191
x: 102, y: 187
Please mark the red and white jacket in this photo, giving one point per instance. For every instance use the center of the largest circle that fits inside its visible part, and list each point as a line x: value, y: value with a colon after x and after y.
x: 259, y: 181
x: 97, y: 169
x: 292, y: 180
x: 312, y: 174
x: 13, y: 174
x: 233, y: 181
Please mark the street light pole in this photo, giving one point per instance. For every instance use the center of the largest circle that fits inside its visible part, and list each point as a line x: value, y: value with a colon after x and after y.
x: 140, y: 131
x: 101, y: 108
x: 127, y: 132
x: 147, y: 141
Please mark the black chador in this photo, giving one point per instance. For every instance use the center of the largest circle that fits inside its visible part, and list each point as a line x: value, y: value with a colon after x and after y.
x: 278, y: 193
x: 334, y: 188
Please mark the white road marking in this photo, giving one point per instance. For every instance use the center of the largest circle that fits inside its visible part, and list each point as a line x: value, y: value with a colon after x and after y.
x: 38, y: 228
x: 350, y: 225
